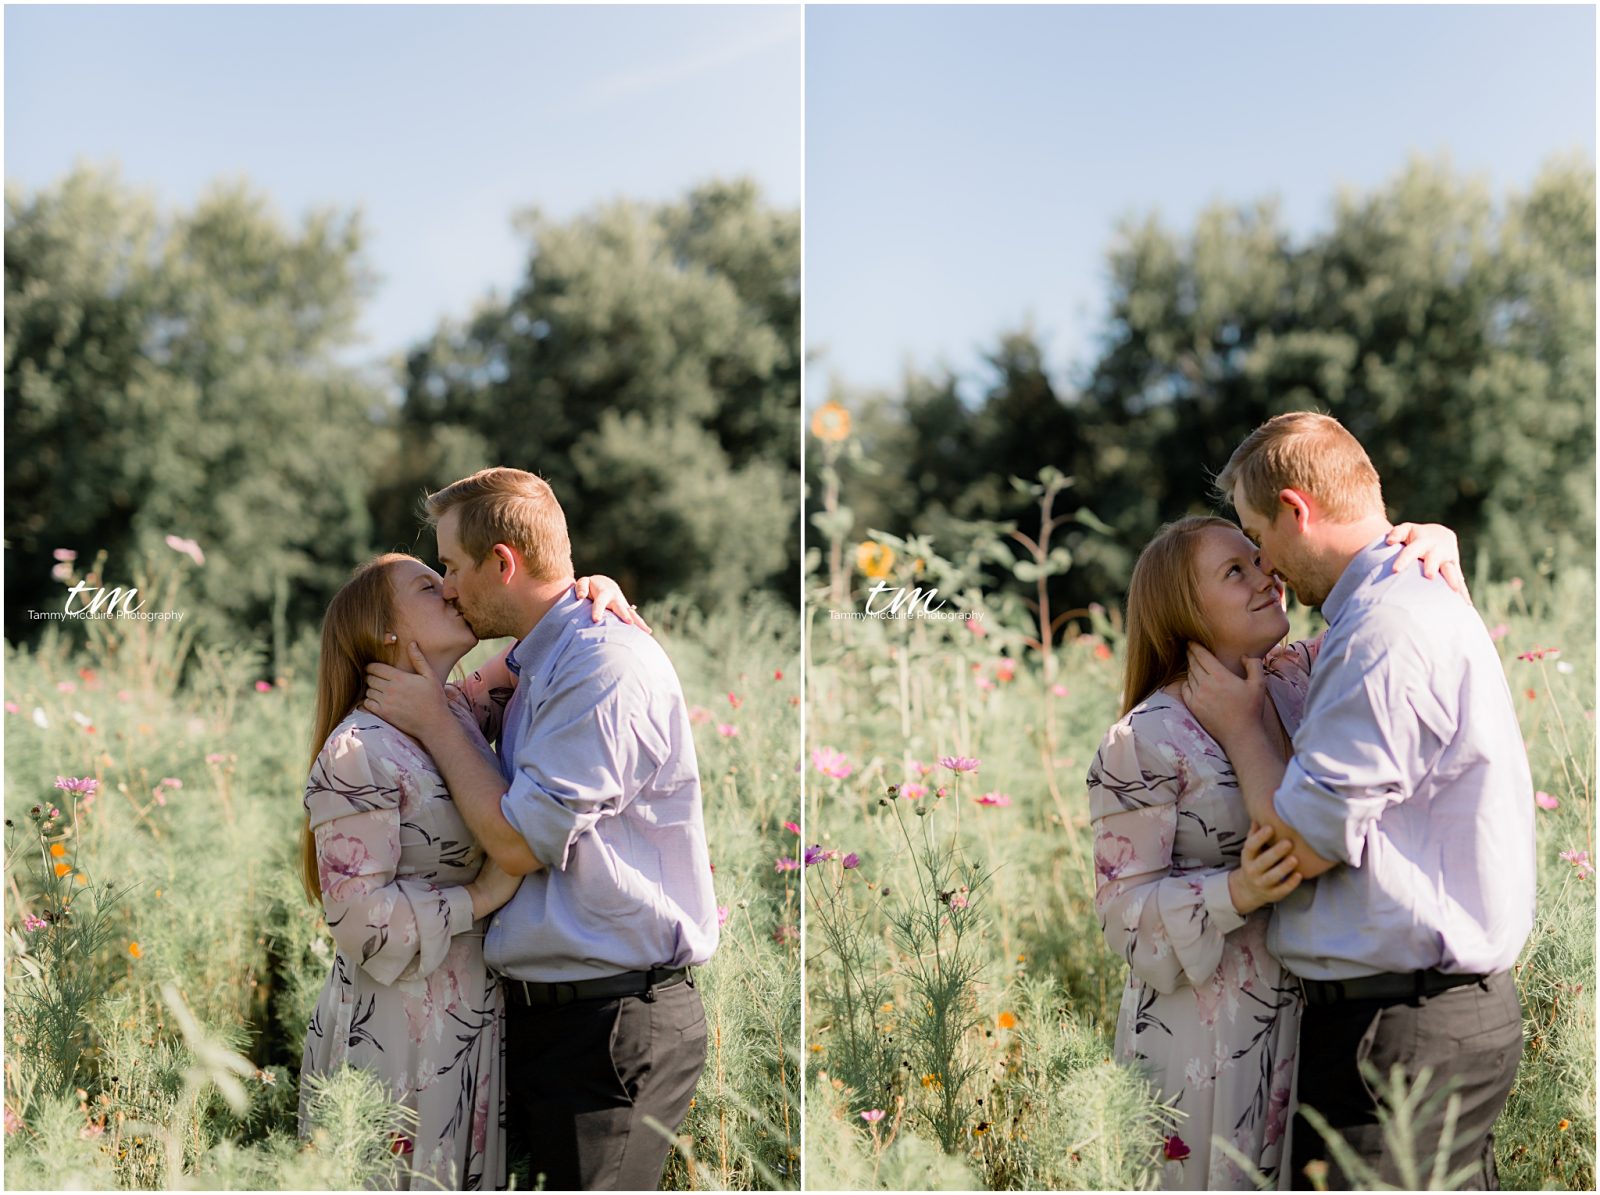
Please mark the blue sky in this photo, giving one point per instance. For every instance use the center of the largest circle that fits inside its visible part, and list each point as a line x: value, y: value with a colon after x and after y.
x: 965, y: 167
x: 438, y: 122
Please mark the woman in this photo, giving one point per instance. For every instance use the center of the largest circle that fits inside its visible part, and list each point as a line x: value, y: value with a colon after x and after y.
x: 404, y: 886
x: 1185, y: 883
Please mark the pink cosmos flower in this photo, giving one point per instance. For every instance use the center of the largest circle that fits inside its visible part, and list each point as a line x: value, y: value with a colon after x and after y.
x: 1059, y: 690
x: 873, y: 1115
x: 912, y: 792
x: 985, y: 683
x: 263, y: 686
x: 84, y: 787
x: 787, y: 864
x: 792, y: 827
x: 1545, y: 801
x: 722, y: 914
x: 1580, y: 860
x: 1540, y: 653
x: 33, y: 924
x: 1499, y: 631
x: 188, y: 547
x: 216, y: 757
x: 727, y: 730
x: 1005, y: 670
x: 976, y: 627
x: 993, y: 799
x: 66, y: 686
x: 831, y: 763
x: 852, y: 861
x: 960, y: 763
x: 699, y: 714
x: 13, y: 708
x: 735, y: 700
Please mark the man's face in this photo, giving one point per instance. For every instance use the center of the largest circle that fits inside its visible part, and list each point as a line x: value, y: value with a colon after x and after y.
x: 1283, y: 547
x: 474, y: 589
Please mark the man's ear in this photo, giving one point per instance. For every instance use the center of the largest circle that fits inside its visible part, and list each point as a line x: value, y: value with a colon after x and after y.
x: 509, y: 564
x: 1298, y: 506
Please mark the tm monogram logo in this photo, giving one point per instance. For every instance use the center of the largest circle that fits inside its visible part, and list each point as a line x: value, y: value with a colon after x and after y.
x: 903, y: 603
x: 104, y: 602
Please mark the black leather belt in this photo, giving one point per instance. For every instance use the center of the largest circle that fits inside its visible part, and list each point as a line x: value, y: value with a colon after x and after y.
x: 609, y: 987
x: 1412, y: 985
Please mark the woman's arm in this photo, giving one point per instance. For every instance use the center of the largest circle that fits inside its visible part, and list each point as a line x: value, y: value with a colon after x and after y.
x: 1168, y: 926
x: 394, y: 927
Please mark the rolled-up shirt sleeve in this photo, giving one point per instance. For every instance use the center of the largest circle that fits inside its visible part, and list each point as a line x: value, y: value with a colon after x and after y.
x: 581, y: 760
x: 1355, y: 751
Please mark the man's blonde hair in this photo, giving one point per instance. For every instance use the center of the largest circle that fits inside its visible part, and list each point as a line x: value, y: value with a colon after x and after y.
x: 1303, y: 451
x: 507, y: 506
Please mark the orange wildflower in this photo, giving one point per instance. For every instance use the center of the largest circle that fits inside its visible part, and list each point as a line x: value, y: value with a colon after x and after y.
x: 831, y: 423
x: 133, y: 949
x: 57, y: 850
x: 1008, y: 1020
x: 62, y: 869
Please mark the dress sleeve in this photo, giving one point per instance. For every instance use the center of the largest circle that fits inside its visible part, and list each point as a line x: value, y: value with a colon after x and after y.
x: 484, y: 695
x: 395, y: 928
x: 1293, y: 661
x: 1168, y: 924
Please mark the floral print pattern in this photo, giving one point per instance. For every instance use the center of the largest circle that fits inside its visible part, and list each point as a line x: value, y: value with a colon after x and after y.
x: 408, y: 996
x: 1207, y: 1011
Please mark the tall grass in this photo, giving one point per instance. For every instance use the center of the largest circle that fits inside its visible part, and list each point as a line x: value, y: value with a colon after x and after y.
x: 1044, y: 1107
x: 158, y: 990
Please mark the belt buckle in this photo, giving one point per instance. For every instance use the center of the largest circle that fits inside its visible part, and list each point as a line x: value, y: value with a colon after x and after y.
x: 563, y: 993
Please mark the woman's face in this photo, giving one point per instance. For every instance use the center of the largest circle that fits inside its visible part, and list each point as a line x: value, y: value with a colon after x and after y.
x: 422, y: 615
x: 1242, y: 606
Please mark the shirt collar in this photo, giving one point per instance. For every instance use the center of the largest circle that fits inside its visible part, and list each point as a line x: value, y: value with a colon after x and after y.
x: 538, y: 643
x: 1356, y: 574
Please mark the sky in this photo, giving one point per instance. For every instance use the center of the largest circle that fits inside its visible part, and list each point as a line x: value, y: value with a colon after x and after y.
x: 966, y: 167
x: 437, y: 122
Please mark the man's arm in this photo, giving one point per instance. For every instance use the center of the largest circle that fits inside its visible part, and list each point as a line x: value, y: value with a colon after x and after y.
x: 1230, y: 709
x: 414, y: 702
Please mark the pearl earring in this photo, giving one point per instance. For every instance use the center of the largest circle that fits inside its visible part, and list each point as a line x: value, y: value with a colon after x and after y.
x: 391, y: 639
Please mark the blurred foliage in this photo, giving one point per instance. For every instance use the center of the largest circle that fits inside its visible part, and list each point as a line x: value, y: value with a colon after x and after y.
x: 1455, y: 338
x: 648, y: 367
x: 177, y: 373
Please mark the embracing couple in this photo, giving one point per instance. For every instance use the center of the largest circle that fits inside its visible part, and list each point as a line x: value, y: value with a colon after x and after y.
x: 1317, y: 857
x: 513, y: 867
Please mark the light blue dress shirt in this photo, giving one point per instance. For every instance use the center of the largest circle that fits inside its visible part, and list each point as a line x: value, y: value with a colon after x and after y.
x: 1409, y: 770
x: 605, y: 788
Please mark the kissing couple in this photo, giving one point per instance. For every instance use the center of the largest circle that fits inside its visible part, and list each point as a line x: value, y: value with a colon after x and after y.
x: 1317, y: 858
x: 513, y: 865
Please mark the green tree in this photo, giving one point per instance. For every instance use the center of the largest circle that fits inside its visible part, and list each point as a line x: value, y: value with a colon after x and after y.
x: 647, y: 367
x: 173, y: 373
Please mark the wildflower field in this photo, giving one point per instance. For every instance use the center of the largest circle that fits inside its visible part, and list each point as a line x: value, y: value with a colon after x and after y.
x: 162, y: 962
x: 961, y: 1002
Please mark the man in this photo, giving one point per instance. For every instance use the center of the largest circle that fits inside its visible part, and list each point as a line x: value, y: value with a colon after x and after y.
x: 1408, y: 794
x: 597, y: 804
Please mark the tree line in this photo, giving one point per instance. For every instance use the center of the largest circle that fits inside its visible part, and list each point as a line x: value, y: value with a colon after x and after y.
x: 1452, y: 333
x: 178, y: 373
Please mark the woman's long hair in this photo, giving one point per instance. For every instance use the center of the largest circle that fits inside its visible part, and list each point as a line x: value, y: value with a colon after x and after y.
x: 359, y: 616
x: 1164, y: 614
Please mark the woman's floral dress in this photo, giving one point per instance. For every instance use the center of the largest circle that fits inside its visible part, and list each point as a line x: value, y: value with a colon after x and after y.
x: 1207, y: 1011
x: 409, y: 997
